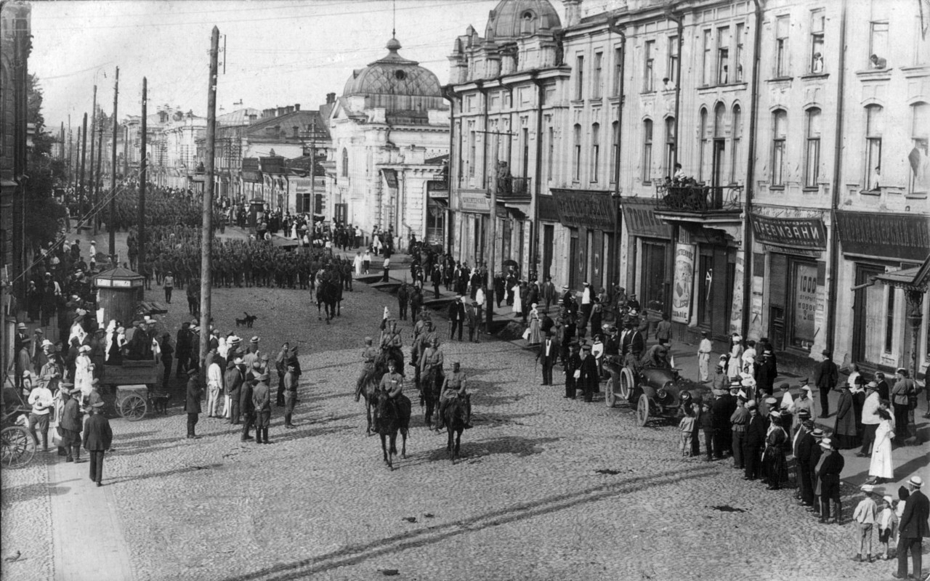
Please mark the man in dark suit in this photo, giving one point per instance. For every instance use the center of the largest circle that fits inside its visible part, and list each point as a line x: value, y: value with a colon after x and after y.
x: 98, y: 437
x: 246, y: 408
x: 720, y: 411
x: 825, y: 378
x: 753, y: 442
x: 637, y: 342
x: 804, y: 445
x: 456, y: 317
x: 547, y: 356
x: 572, y: 368
x: 192, y: 403
x: 829, y: 474
x: 589, y: 374
x: 233, y: 384
x: 546, y: 323
x: 403, y: 296
x: 914, y: 527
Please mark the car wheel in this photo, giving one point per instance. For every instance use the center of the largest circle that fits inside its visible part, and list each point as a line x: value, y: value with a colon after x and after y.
x: 626, y: 383
x: 642, y: 410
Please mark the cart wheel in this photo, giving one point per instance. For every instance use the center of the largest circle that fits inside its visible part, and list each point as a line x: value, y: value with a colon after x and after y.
x: 626, y: 383
x: 642, y: 410
x: 18, y: 447
x: 133, y: 407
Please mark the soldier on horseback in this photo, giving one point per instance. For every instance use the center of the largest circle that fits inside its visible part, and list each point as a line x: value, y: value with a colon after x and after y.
x: 369, y: 354
x: 454, y: 387
x: 392, y: 383
x: 392, y: 344
x: 431, y: 362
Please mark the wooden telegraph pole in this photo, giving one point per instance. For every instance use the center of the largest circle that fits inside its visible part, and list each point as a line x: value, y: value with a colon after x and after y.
x: 206, y: 284
x: 82, y: 143
x: 91, y: 182
x: 143, y: 166
x: 111, y: 221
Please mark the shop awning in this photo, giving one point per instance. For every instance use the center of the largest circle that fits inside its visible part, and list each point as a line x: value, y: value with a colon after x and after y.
x: 884, y: 235
x: 914, y: 278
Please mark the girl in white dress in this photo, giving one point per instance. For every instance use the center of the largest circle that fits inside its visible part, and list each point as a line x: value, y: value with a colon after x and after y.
x: 83, y: 371
x: 735, y: 363
x: 882, y: 466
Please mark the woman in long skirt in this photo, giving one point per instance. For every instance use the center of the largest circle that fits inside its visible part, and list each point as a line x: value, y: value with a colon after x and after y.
x: 882, y: 467
x: 734, y: 365
x: 844, y: 432
x: 535, y: 338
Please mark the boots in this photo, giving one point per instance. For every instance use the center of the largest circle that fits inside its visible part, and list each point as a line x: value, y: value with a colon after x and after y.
x: 824, y: 511
x: 265, y: 436
x: 837, y: 513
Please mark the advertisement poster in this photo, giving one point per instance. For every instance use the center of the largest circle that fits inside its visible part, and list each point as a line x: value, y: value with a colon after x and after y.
x: 736, y: 311
x: 805, y: 293
x: 684, y: 277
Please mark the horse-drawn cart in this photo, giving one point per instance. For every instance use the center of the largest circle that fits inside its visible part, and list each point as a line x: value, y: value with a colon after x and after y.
x: 133, y: 383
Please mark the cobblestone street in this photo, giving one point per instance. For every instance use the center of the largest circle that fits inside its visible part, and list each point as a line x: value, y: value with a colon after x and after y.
x: 547, y: 488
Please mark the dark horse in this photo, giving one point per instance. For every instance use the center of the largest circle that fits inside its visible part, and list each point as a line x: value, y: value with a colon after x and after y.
x: 368, y: 380
x: 328, y: 296
x: 391, y: 416
x: 430, y: 389
x: 454, y: 418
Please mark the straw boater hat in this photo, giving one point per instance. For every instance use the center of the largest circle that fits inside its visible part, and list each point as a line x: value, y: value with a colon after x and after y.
x: 868, y: 488
x: 916, y: 481
x: 826, y: 444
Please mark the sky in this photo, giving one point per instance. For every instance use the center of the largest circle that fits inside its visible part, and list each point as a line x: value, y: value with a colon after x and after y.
x: 276, y: 53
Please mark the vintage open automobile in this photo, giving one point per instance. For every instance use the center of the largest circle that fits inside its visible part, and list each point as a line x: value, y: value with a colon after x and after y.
x: 655, y: 392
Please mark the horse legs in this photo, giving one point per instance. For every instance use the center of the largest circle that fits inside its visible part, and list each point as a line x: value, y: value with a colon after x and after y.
x: 368, y: 415
x: 384, y: 451
x: 458, y: 443
x: 403, y: 435
x: 429, y: 412
x: 450, y: 443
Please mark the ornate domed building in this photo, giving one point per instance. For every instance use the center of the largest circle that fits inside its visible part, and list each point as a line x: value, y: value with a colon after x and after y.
x: 390, y: 131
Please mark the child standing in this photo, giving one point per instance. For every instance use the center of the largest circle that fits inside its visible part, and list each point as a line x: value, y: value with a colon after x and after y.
x: 887, y: 522
x: 686, y: 427
x: 865, y: 516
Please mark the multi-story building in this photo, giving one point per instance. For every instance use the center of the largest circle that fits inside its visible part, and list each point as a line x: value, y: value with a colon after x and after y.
x: 389, y: 130
x: 507, y: 91
x: 882, y: 210
x: 15, y: 46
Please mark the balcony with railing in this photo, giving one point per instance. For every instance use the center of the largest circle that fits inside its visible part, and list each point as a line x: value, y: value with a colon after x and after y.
x: 513, y: 189
x: 698, y: 200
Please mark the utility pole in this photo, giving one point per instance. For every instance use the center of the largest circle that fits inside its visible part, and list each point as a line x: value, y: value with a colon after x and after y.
x: 82, y: 143
x: 142, y: 175
x: 206, y: 284
x: 96, y: 184
x: 111, y: 221
x: 91, y: 182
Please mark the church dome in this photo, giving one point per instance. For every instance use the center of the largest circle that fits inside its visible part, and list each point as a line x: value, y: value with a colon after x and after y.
x: 515, y: 18
x: 396, y: 83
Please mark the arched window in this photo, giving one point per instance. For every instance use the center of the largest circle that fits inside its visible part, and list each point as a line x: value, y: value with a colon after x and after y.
x: 812, y: 149
x: 720, y: 143
x: 702, y: 152
x: 647, y: 151
x: 576, y: 156
x: 345, y: 162
x: 874, y: 128
x: 719, y: 127
x: 669, y: 146
x: 595, y: 151
x: 737, y: 132
x: 526, y: 22
x: 779, y: 133
x: 917, y: 157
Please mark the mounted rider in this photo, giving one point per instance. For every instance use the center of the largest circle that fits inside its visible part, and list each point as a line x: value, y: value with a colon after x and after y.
x: 392, y: 382
x: 431, y: 362
x: 454, y: 387
x: 392, y: 344
x: 369, y: 355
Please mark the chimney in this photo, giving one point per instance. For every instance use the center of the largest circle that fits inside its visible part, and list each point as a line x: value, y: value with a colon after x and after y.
x: 330, y: 98
x: 289, y: 109
x: 252, y: 118
x: 280, y: 111
x: 572, y: 12
x: 297, y: 107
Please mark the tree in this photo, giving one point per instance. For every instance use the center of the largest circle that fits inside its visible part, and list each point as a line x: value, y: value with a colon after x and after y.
x: 42, y: 212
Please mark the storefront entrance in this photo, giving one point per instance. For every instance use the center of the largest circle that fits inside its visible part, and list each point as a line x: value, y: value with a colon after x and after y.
x: 868, y: 309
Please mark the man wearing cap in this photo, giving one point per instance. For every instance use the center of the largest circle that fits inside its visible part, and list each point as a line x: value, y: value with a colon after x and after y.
x: 253, y: 354
x: 192, y: 402
x: 41, y: 401
x: 369, y: 355
x: 913, y: 528
x: 454, y: 386
x: 588, y: 376
x: 261, y: 399
x: 281, y: 367
x: 829, y: 475
x: 71, y: 424
x: 473, y: 319
x: 825, y: 378
x: 765, y: 373
x: 739, y: 421
x: 804, y: 400
x: 98, y: 437
x: 754, y: 440
x: 805, y: 441
x: 865, y: 514
x: 547, y: 355
x: 290, y: 393
x: 572, y: 368
x: 901, y: 399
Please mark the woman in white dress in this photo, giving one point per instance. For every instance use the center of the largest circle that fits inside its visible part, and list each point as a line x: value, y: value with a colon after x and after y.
x: 83, y: 371
x: 535, y: 337
x: 735, y: 363
x: 517, y: 300
x: 882, y: 467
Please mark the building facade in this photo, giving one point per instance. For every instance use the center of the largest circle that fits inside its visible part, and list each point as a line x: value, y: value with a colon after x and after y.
x: 389, y: 129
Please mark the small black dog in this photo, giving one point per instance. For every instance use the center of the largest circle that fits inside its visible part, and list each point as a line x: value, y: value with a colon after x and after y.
x: 247, y: 321
x: 160, y: 402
